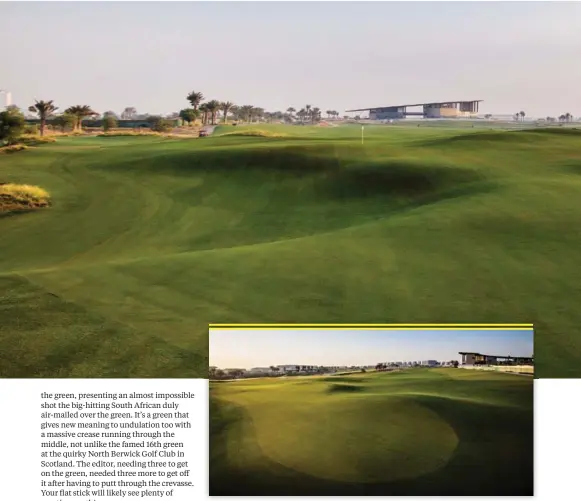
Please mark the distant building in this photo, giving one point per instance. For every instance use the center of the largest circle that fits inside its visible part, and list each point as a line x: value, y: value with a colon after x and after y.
x: 234, y: 372
x: 261, y: 370
x: 472, y: 358
x: 443, y: 109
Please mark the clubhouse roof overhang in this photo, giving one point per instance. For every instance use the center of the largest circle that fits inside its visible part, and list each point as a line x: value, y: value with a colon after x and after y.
x: 417, y: 104
x: 508, y: 357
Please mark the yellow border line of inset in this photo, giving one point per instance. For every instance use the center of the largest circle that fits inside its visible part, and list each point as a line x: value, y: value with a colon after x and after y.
x: 498, y: 325
x: 377, y: 328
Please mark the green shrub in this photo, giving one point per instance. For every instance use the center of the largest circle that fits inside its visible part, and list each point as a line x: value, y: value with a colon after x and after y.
x: 159, y: 124
x: 109, y: 122
x: 31, y: 129
x: 11, y: 126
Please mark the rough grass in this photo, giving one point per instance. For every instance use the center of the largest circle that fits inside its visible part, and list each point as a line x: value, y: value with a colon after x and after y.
x: 122, y: 133
x: 13, y: 148
x: 15, y: 197
x: 35, y: 139
x: 418, y: 432
x: 127, y: 133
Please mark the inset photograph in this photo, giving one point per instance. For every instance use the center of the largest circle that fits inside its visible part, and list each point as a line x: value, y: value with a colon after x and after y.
x: 371, y: 411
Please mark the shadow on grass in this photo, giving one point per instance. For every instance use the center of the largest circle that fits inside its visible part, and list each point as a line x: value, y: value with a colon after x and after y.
x: 494, y: 457
x: 327, y: 172
x: 572, y: 167
x: 344, y: 388
x: 510, y: 137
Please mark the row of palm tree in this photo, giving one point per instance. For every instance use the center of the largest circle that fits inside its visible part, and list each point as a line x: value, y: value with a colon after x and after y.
x: 332, y: 113
x: 46, y: 109
x: 565, y: 117
x: 208, y: 111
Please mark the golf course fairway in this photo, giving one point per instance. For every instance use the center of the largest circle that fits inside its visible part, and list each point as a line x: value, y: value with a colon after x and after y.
x: 148, y: 240
x: 411, y: 432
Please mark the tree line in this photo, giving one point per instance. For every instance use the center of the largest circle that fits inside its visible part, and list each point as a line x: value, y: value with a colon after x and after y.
x: 208, y: 111
x: 520, y: 117
x: 12, y: 120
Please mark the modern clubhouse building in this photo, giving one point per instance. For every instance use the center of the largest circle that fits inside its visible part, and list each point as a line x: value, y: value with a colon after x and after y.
x: 471, y: 358
x: 443, y: 109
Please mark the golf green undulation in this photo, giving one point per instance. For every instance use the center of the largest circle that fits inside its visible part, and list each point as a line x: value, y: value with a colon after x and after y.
x: 148, y: 240
x: 321, y: 438
x: 422, y: 432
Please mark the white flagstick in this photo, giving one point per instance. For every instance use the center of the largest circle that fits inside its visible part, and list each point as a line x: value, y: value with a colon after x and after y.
x: 361, y: 133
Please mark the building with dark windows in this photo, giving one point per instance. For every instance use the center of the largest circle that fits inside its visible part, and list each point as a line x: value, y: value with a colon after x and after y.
x: 443, y: 109
x: 471, y: 358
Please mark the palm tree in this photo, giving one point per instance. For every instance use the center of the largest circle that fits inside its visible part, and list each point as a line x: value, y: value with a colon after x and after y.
x: 195, y: 99
x: 302, y: 113
x: 204, y: 110
x: 258, y: 113
x: 568, y: 117
x: 246, y: 112
x: 290, y: 111
x: 226, y: 107
x: 315, y: 115
x: 522, y: 115
x: 80, y: 112
x: 44, y: 109
x: 213, y: 106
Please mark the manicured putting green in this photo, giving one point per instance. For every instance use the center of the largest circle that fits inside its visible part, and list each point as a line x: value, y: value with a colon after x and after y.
x: 441, y: 432
x: 148, y: 240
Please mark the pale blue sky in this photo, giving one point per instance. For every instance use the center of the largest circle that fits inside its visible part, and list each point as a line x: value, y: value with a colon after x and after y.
x: 334, y: 55
x: 265, y: 347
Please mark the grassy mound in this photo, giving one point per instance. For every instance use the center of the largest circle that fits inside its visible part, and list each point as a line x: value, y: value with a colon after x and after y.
x: 13, y: 148
x: 254, y: 133
x: 557, y: 131
x: 406, y: 435
x: 122, y: 133
x: 15, y: 197
x: 35, y: 139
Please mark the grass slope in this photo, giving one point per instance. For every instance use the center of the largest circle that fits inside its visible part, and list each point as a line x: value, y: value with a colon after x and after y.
x: 418, y: 432
x: 150, y: 239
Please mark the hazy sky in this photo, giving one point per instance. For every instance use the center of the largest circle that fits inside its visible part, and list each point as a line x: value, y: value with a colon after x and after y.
x: 334, y: 55
x: 262, y: 348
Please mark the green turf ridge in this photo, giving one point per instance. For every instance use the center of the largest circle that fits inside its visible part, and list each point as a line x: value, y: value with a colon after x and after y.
x: 156, y: 238
x: 418, y: 432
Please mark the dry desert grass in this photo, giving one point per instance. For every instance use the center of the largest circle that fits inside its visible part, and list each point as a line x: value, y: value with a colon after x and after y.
x: 16, y: 197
